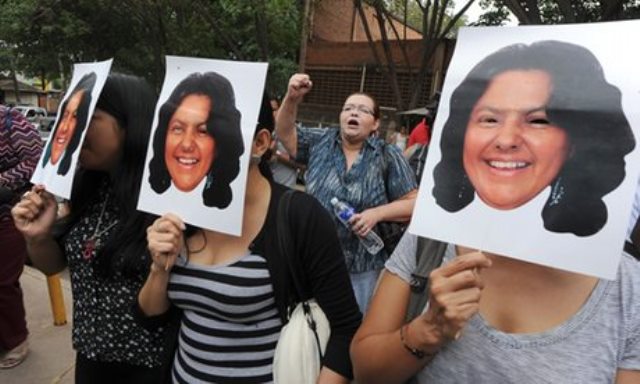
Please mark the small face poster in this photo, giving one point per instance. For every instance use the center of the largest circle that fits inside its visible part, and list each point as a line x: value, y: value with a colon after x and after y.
x: 57, y: 164
x: 535, y: 147
x: 198, y: 154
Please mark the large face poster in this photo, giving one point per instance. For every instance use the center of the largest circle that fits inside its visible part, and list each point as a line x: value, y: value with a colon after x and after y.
x: 198, y: 155
x: 534, y: 154
x: 57, y: 164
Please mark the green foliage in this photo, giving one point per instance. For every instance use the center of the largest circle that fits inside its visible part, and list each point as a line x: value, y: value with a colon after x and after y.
x: 47, y: 36
x: 558, y: 11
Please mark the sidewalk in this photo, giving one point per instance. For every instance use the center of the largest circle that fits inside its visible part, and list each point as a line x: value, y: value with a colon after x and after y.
x: 51, y: 359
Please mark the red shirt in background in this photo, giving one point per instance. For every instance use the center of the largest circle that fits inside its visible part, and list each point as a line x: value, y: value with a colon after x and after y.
x: 419, y: 134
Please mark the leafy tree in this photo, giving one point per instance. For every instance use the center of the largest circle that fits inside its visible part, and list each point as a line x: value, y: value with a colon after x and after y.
x: 558, y: 11
x: 50, y: 35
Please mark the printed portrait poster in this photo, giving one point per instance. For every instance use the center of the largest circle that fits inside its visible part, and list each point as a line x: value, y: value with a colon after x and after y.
x: 535, y: 147
x: 198, y: 154
x: 56, y: 167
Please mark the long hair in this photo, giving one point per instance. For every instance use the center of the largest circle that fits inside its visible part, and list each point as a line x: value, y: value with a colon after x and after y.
x: 223, y: 125
x: 86, y: 84
x: 582, y: 103
x: 131, y: 101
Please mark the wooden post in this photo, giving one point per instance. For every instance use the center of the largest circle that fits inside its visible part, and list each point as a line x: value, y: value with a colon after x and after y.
x: 57, y: 300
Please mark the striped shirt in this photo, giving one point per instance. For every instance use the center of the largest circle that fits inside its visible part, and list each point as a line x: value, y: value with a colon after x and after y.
x: 379, y: 175
x: 230, y: 323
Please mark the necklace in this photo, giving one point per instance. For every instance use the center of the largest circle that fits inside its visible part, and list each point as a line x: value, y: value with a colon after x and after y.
x: 93, y: 242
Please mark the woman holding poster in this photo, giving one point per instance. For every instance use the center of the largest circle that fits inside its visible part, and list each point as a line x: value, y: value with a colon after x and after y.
x: 525, y: 118
x: 226, y: 296
x: 102, y: 241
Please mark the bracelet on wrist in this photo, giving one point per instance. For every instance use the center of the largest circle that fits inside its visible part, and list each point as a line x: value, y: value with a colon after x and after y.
x: 417, y: 353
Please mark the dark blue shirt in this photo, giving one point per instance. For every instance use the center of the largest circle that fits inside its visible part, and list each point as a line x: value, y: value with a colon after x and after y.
x: 379, y: 174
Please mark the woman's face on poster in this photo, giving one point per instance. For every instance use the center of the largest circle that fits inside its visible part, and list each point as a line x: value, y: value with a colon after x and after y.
x: 66, y: 127
x: 189, y: 149
x: 511, y: 150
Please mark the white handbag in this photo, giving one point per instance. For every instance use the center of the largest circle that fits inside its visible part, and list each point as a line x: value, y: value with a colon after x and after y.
x: 303, y: 340
x: 301, y: 345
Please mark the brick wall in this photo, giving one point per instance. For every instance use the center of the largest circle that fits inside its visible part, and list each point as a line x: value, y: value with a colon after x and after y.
x: 338, y: 20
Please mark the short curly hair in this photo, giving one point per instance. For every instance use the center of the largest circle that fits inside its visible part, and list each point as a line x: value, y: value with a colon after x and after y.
x: 223, y: 124
x: 582, y: 103
x: 86, y: 84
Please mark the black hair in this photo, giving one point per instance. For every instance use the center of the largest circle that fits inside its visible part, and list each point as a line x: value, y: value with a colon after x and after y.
x: 223, y: 125
x: 131, y: 101
x: 86, y: 84
x: 582, y: 103
x: 265, y: 121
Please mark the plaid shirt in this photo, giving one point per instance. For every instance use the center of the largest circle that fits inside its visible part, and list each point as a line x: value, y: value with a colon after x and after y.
x: 380, y: 174
x: 20, y: 148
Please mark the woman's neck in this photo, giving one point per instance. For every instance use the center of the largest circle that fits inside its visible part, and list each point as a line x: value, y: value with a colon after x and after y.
x: 257, y: 184
x: 522, y: 297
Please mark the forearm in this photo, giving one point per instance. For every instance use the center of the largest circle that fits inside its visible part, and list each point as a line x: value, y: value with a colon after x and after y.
x: 327, y: 376
x: 153, y: 299
x: 399, y: 210
x: 46, y: 255
x: 286, y: 125
x: 382, y: 358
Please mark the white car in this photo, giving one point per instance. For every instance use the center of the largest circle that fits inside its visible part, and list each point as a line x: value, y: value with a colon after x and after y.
x: 34, y: 114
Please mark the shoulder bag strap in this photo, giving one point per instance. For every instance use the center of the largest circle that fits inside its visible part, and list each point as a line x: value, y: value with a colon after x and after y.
x: 285, y: 242
x: 429, y: 256
x: 286, y: 247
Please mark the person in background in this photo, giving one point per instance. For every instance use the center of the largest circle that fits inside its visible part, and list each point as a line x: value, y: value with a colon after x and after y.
x: 283, y: 167
x: 349, y: 163
x: 227, y: 296
x: 400, y: 138
x: 20, y: 148
x: 102, y: 241
x: 420, y: 134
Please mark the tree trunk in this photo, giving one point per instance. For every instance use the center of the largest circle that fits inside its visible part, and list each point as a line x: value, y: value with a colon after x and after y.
x: 304, y: 36
x: 16, y: 88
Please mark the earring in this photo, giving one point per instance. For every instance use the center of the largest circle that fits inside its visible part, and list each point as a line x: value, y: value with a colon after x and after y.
x: 557, y: 192
x: 255, y: 159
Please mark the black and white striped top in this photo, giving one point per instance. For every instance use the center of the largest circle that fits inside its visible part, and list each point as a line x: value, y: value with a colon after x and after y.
x: 230, y: 324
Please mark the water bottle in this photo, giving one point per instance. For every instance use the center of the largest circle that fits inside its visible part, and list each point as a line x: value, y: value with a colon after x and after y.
x: 343, y: 211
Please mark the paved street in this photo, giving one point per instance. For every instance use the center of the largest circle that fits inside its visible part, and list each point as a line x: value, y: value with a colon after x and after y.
x: 51, y: 359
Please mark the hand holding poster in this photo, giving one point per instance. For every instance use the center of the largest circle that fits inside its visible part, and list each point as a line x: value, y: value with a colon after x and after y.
x: 533, y: 147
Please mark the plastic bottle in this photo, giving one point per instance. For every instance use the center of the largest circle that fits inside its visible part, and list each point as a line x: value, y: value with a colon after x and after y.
x: 343, y: 211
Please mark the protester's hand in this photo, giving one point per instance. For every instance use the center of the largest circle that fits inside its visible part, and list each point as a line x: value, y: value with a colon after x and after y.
x: 299, y: 85
x: 455, y: 290
x: 164, y: 238
x: 363, y: 222
x: 35, y: 213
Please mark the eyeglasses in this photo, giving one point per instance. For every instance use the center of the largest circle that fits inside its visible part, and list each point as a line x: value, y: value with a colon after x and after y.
x: 360, y: 108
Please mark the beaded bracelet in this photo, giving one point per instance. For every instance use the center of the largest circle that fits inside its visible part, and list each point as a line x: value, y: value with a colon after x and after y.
x: 417, y: 353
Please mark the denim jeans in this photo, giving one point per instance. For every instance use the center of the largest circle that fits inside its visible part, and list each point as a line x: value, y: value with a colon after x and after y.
x: 363, y: 285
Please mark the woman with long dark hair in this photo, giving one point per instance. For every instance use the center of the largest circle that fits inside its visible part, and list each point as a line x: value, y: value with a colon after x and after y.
x: 103, y: 241
x: 227, y: 296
